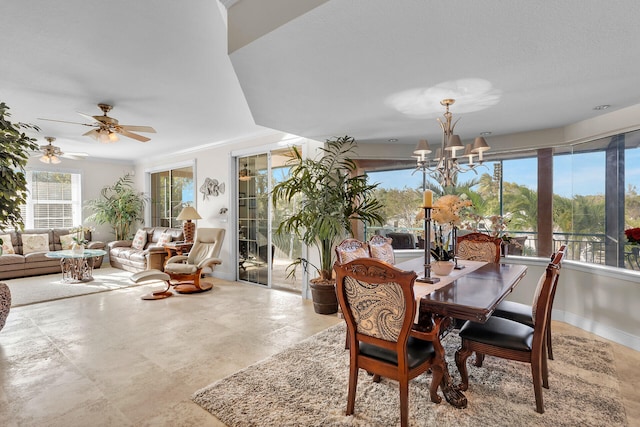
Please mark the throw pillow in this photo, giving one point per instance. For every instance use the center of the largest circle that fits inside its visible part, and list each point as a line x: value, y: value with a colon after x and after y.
x: 35, y: 243
x: 67, y: 241
x: 139, y: 240
x: 7, y: 246
x: 164, y: 239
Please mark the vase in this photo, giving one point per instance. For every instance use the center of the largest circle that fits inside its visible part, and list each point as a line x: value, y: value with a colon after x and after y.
x: 442, y: 268
x: 77, y: 249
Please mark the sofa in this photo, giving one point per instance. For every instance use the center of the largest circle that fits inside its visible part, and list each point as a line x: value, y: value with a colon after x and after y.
x: 19, y: 264
x: 122, y: 255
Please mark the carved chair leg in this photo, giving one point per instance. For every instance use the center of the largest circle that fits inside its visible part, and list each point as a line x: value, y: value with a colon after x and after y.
x: 544, y: 370
x: 353, y: 384
x: 404, y: 402
x: 537, y: 384
x: 549, y: 349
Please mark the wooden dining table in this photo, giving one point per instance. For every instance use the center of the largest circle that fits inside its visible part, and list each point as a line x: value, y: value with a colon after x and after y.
x: 471, y: 293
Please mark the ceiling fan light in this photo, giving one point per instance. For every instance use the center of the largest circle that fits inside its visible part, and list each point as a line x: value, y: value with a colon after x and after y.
x: 113, y: 137
x: 55, y: 160
x: 45, y: 159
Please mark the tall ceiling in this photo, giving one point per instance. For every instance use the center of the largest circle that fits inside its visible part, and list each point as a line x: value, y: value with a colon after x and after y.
x: 373, y: 69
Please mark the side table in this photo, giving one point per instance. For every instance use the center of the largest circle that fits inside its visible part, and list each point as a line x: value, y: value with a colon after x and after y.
x: 177, y: 248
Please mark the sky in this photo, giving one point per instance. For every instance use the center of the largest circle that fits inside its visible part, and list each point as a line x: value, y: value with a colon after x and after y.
x: 586, y: 174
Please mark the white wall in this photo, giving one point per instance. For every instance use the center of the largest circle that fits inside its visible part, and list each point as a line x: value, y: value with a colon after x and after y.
x: 598, y: 299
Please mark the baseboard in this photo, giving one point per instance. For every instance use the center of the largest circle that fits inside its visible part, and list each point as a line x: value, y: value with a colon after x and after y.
x: 613, y: 334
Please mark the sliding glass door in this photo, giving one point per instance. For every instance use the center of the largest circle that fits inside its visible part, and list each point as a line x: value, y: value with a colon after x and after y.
x: 263, y: 255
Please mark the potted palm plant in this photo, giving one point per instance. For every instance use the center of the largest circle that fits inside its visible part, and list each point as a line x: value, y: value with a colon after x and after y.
x: 14, y: 154
x: 330, y: 195
x: 15, y: 146
x: 120, y: 206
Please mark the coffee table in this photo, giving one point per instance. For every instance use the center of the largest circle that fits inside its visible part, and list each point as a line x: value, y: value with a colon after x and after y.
x: 75, y: 265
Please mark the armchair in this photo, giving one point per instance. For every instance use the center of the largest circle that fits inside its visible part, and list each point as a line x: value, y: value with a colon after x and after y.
x: 187, y: 270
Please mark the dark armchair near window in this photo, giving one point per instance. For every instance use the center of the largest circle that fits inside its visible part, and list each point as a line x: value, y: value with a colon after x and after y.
x: 402, y: 240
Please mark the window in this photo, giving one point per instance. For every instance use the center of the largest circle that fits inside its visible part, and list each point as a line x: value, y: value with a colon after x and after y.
x: 595, y: 198
x: 53, y: 200
x: 170, y: 191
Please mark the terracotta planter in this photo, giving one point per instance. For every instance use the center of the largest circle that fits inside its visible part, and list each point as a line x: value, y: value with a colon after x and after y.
x: 324, y: 297
x: 442, y: 268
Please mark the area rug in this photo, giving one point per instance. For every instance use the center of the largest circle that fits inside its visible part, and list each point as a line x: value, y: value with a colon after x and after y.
x: 306, y: 385
x: 49, y: 287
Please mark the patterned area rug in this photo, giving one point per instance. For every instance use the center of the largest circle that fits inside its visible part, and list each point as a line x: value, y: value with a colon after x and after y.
x: 306, y: 385
x: 50, y: 287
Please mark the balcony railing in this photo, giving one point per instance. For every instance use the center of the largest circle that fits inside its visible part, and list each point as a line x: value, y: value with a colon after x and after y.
x: 583, y: 247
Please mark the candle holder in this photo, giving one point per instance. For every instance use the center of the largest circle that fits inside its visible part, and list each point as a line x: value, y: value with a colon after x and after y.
x: 427, y: 249
x: 454, y: 246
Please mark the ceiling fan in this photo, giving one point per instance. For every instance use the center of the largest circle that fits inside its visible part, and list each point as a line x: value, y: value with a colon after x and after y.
x: 52, y: 154
x: 106, y: 129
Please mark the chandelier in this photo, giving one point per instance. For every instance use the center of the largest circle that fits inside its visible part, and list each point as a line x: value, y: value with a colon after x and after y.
x: 445, y: 165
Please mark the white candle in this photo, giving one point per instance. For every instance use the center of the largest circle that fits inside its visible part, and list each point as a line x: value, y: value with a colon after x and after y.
x: 427, y: 199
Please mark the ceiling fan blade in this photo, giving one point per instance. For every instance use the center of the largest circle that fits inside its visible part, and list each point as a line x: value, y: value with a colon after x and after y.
x: 64, y: 121
x: 74, y: 156
x: 138, y: 128
x: 88, y: 117
x: 133, y: 135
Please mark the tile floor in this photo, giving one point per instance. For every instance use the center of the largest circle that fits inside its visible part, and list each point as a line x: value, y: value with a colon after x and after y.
x: 111, y: 359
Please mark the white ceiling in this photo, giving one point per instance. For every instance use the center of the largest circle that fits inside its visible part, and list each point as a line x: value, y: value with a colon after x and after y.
x: 344, y: 67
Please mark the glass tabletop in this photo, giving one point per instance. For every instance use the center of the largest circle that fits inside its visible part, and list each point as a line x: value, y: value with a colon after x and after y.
x: 68, y: 253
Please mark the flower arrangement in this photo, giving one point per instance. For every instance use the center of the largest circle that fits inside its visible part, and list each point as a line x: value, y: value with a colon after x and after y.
x: 633, y: 235
x: 79, y: 232
x: 447, y: 212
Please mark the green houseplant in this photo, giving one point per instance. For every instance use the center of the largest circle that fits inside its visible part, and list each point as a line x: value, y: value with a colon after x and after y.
x: 120, y: 206
x: 330, y: 195
x: 14, y: 154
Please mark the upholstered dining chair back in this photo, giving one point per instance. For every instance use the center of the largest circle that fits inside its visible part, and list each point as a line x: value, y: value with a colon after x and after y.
x: 378, y: 304
x: 380, y: 248
x: 478, y: 247
x: 350, y: 249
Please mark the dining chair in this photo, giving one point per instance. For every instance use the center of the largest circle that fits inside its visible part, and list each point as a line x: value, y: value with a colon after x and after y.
x: 380, y: 248
x: 379, y: 307
x: 187, y: 270
x: 478, y: 247
x: 508, y: 339
x: 350, y: 249
x: 522, y: 313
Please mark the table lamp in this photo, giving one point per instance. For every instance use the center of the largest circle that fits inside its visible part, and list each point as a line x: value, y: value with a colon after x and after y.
x: 188, y: 228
